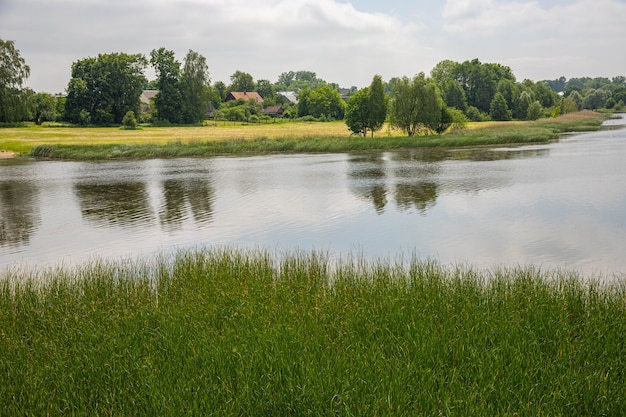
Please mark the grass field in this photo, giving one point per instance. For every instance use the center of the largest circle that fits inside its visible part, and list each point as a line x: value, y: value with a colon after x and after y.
x: 250, y: 333
x: 228, y: 138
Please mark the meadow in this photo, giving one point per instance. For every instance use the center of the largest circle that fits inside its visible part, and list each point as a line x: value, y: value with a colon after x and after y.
x: 227, y: 332
x: 220, y: 138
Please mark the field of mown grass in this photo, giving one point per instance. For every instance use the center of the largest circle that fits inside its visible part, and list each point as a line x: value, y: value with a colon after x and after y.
x: 23, y: 139
x: 225, y: 332
x: 229, y: 138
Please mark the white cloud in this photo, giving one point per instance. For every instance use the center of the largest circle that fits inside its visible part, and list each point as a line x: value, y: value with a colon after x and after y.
x: 486, y: 17
x: 334, y: 38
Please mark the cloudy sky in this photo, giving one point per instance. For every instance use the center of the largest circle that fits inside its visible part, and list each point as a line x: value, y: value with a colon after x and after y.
x: 343, y: 41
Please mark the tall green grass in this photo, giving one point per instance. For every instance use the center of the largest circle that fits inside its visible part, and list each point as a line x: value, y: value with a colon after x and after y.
x: 500, y: 134
x: 249, y: 333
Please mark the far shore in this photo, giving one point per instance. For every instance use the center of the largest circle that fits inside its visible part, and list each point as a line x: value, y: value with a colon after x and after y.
x: 106, y: 143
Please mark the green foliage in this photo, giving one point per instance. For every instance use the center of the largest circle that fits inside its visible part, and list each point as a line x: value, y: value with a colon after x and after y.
x: 168, y: 102
x: 13, y: 73
x: 521, y: 105
x: 594, y: 99
x: 129, y: 121
x: 535, y: 110
x: 43, y: 108
x: 195, y: 88
x: 377, y: 105
x: 459, y: 119
x: 445, y: 121
x: 323, y: 102
x: 241, y: 81
x: 357, y: 112
x: 106, y: 87
x: 415, y: 105
x: 234, y: 114
x: 266, y: 90
x: 298, y: 81
x: 480, y: 81
x: 366, y: 109
x: 499, y: 110
x: 454, y: 95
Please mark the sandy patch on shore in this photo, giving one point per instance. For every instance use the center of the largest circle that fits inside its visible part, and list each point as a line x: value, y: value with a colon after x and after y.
x: 7, y: 154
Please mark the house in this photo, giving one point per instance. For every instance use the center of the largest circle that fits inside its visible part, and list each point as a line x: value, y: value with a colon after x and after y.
x: 236, y: 95
x: 146, y: 97
x: 273, y: 111
x: 292, y: 96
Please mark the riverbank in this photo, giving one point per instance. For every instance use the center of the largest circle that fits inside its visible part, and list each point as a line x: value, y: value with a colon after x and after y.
x: 226, y: 332
x: 169, y: 142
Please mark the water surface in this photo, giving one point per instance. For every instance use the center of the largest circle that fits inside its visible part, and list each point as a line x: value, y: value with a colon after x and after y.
x: 557, y: 205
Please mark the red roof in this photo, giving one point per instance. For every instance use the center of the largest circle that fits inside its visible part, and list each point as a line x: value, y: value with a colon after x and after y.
x: 236, y: 95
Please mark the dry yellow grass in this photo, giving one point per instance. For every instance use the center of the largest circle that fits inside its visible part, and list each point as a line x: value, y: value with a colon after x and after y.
x: 22, y: 140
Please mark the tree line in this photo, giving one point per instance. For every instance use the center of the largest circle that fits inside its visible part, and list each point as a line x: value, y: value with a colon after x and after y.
x: 106, y: 90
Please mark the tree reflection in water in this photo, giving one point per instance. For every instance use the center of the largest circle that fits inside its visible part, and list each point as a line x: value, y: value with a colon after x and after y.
x: 180, y: 195
x: 19, y: 212
x: 115, y: 204
x: 411, y: 176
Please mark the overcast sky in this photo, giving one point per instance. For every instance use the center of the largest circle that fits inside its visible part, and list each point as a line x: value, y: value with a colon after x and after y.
x: 343, y: 41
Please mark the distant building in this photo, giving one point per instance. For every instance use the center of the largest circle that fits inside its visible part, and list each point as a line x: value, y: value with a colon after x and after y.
x: 273, y: 111
x: 289, y: 95
x: 236, y: 95
x: 146, y: 98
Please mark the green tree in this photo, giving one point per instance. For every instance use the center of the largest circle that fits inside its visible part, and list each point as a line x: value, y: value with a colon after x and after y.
x: 415, y: 105
x: 242, y: 81
x: 521, y: 105
x: 13, y: 73
x: 480, y: 81
x: 357, y: 112
x: 195, y: 88
x: 453, y: 95
x: 43, y: 108
x: 323, y: 102
x: 377, y: 104
x: 499, y: 110
x: 168, y: 102
x: 445, y: 70
x: 220, y: 88
x: 594, y: 99
x: 535, y: 110
x: 266, y: 89
x: 298, y: 81
x: 106, y: 87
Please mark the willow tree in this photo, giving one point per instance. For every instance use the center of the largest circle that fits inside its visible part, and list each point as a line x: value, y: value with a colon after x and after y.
x: 13, y: 73
x: 415, y: 105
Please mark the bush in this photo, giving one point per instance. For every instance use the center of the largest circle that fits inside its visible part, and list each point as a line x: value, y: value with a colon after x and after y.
x: 129, y: 121
x: 474, y: 114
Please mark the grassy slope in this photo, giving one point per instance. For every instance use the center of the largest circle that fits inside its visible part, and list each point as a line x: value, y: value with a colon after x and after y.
x: 237, y: 333
x: 149, y: 142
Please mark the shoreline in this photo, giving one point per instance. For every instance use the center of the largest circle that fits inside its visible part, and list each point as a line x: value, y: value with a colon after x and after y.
x: 113, y: 144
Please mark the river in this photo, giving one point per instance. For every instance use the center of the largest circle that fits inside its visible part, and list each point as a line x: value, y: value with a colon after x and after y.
x: 558, y: 205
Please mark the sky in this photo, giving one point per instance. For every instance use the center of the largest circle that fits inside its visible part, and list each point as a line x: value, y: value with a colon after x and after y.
x: 343, y: 41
